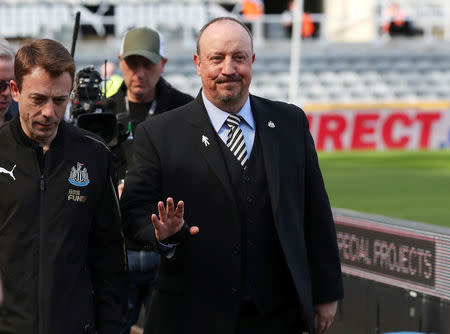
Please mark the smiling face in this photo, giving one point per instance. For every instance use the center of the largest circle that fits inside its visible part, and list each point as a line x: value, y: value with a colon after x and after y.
x: 224, y: 64
x: 42, y: 103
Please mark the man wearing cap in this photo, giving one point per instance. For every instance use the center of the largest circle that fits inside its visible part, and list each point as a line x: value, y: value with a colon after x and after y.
x: 143, y: 93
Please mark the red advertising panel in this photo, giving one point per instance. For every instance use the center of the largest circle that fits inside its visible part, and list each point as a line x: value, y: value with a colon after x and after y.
x: 371, y: 128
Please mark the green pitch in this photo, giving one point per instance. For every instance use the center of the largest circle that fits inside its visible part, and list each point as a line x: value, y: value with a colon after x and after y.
x: 411, y: 185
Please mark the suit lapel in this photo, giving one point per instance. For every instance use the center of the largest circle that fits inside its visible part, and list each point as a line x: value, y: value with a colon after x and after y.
x: 208, y: 143
x: 267, y: 129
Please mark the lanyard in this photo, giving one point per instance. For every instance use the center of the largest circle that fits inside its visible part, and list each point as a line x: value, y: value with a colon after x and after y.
x: 151, y: 112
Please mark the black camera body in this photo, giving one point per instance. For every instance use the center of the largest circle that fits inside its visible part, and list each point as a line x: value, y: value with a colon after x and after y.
x: 87, y: 109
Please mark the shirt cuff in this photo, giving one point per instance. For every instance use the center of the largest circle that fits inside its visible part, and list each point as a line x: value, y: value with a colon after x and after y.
x: 168, y: 250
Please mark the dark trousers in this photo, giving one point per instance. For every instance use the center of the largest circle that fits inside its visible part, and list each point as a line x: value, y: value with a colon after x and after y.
x: 142, y: 268
x: 286, y: 320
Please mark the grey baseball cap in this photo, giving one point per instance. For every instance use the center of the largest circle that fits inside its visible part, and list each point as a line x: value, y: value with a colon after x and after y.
x: 143, y: 42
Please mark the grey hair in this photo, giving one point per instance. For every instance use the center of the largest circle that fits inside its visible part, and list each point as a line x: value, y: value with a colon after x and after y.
x: 6, y: 51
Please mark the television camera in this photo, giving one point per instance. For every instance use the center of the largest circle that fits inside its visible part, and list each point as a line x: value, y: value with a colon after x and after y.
x: 88, y: 109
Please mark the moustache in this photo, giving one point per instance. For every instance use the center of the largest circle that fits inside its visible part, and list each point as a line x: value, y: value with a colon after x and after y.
x: 232, y: 78
x: 48, y: 120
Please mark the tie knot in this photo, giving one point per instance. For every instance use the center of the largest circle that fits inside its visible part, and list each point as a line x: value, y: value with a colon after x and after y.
x: 233, y: 121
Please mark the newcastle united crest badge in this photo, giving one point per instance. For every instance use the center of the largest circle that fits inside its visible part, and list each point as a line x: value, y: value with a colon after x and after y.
x: 79, y: 176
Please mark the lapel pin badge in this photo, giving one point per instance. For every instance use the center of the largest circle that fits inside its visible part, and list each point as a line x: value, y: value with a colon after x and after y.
x: 271, y: 124
x: 205, y: 140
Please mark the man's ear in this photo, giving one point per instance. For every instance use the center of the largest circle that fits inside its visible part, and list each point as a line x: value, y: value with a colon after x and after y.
x: 163, y: 63
x: 197, y: 62
x: 14, y: 90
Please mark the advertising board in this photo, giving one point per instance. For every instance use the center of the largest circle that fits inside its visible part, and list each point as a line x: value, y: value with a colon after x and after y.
x: 398, y: 253
x: 380, y: 127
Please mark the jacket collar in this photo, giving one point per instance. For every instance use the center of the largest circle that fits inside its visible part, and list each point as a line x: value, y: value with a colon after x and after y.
x: 24, y: 140
x: 265, y: 125
x: 208, y: 141
x: 268, y: 131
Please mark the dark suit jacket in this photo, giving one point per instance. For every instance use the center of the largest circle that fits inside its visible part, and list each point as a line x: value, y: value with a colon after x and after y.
x: 194, y: 290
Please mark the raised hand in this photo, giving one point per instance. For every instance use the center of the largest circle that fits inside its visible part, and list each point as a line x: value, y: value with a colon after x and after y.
x: 170, y: 219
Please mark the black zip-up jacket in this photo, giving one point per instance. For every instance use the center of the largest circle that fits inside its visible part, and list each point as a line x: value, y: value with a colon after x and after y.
x: 167, y: 98
x: 62, y: 253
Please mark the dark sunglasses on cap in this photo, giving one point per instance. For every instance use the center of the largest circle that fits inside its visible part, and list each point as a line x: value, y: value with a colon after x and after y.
x: 4, y: 85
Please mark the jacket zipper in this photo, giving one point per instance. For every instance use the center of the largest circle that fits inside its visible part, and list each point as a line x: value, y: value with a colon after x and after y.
x: 40, y: 310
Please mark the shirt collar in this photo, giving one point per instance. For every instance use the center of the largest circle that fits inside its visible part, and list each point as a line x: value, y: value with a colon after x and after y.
x: 218, y: 116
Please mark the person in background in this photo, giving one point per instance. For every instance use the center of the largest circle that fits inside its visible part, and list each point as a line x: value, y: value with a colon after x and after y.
x: 252, y: 9
x: 287, y: 16
x: 396, y: 22
x: 229, y: 190
x: 6, y: 75
x: 143, y: 94
x: 62, y: 251
x: 111, y: 80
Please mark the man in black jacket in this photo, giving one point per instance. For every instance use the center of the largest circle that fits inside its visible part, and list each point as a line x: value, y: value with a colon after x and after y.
x: 241, y: 173
x: 143, y: 93
x: 62, y: 254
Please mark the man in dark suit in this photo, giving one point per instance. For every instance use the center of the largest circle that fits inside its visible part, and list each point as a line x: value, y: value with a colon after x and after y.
x: 250, y: 246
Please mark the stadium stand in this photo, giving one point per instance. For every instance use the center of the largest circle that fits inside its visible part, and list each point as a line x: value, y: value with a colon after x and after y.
x: 393, y: 72
x: 385, y: 70
x: 398, y: 71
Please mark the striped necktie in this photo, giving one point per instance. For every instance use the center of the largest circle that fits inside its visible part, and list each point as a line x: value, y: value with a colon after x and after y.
x: 235, y: 139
